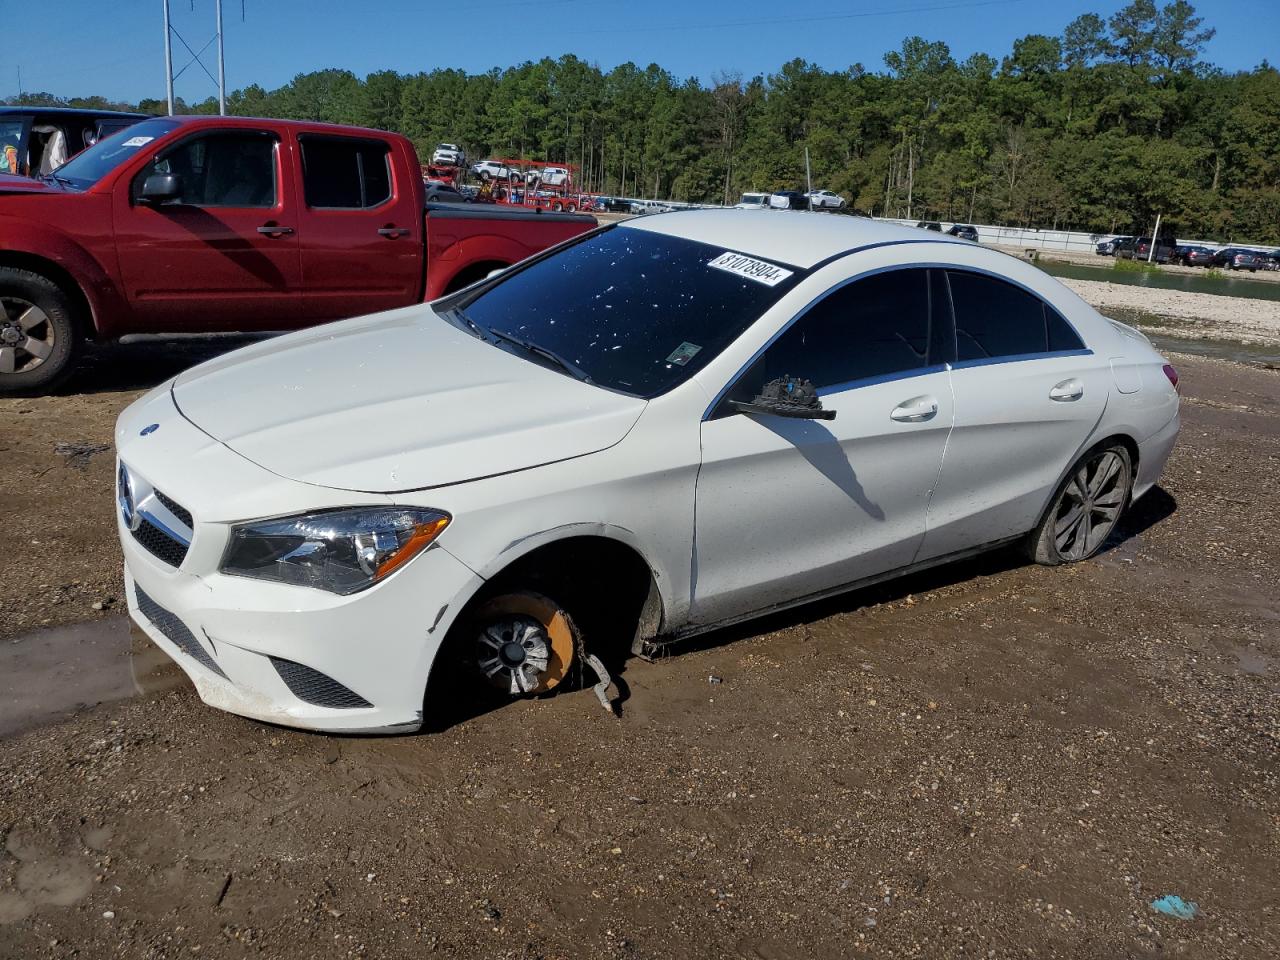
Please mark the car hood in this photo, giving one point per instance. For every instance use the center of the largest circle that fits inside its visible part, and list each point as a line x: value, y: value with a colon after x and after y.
x: 12, y: 183
x: 396, y: 401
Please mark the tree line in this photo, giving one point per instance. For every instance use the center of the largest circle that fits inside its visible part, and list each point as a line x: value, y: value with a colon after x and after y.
x: 1098, y: 129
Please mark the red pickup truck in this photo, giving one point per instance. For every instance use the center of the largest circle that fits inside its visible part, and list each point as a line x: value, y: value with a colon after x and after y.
x: 203, y: 224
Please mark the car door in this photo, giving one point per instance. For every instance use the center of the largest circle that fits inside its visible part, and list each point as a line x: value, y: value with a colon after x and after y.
x: 224, y: 254
x: 360, y: 228
x: 1028, y: 394
x: 786, y: 508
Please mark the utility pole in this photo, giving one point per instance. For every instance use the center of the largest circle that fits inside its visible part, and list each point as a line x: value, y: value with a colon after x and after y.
x: 168, y: 59
x: 808, y: 179
x: 170, y: 76
x: 222, y: 70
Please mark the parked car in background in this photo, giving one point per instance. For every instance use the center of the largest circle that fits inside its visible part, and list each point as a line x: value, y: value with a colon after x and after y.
x: 494, y: 170
x: 448, y: 155
x: 929, y: 225
x: 1139, y: 248
x: 1238, y: 258
x: 788, y: 200
x: 1190, y: 255
x: 1107, y: 248
x: 645, y: 207
x: 752, y: 201
x: 437, y: 192
x: 1273, y: 260
x: 612, y: 205
x: 1123, y: 247
x: 964, y: 231
x: 826, y: 200
x: 34, y: 141
x: 443, y: 496
x: 206, y: 224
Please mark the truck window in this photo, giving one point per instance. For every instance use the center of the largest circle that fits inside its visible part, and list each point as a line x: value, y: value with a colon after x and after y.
x: 12, y: 149
x: 221, y: 170
x: 343, y: 173
x: 88, y: 167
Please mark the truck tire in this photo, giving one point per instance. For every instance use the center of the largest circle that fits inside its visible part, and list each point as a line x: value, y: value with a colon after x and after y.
x: 40, y: 332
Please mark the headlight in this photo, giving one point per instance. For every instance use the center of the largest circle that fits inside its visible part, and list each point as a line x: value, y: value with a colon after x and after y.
x: 341, y: 551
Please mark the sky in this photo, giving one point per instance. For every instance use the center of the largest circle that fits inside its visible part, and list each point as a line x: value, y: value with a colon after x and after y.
x: 115, y: 48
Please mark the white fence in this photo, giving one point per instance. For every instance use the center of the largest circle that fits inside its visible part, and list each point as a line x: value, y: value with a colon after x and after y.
x: 1077, y: 240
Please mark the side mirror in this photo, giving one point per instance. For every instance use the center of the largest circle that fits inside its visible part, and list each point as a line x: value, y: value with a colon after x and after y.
x: 786, y: 397
x: 161, y: 188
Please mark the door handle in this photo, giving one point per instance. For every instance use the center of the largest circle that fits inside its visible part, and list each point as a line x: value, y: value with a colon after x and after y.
x: 915, y: 410
x: 274, y: 230
x: 1067, y: 390
x: 393, y: 232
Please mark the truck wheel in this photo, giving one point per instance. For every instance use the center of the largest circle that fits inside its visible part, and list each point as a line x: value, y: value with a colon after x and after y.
x: 39, y: 332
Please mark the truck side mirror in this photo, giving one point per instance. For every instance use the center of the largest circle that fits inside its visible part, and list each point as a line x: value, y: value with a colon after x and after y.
x: 161, y: 188
x: 786, y: 397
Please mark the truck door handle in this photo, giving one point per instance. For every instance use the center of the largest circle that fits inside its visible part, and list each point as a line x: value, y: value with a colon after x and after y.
x: 915, y: 410
x: 275, y: 230
x: 1067, y: 390
x: 393, y: 232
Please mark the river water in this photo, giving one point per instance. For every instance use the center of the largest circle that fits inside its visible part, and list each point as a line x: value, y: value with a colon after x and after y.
x: 1231, y: 285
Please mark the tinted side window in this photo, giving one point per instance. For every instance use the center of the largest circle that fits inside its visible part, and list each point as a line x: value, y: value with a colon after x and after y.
x: 345, y: 174
x: 997, y: 319
x: 869, y: 328
x: 222, y: 170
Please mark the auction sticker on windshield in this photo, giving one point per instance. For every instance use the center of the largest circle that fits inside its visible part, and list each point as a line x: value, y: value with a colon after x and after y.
x: 758, y: 270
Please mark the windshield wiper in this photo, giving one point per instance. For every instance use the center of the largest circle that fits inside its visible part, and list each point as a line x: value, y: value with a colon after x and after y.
x: 63, y: 180
x: 474, y: 327
x: 567, y: 365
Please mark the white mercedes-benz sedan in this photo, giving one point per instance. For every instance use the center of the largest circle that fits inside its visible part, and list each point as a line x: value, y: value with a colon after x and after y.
x: 654, y: 429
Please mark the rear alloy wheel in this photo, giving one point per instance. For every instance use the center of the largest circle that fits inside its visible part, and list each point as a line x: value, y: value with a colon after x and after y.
x: 1086, y: 509
x: 523, y: 643
x: 38, y: 334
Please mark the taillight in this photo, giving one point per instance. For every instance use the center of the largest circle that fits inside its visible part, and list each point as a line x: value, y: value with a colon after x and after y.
x: 1172, y: 374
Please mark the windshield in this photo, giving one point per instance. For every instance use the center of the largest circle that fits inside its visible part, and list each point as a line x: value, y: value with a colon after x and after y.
x: 634, y: 311
x: 89, y: 166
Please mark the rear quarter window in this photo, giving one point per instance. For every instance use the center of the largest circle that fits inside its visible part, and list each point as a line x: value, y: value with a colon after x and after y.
x: 344, y: 173
x: 996, y: 319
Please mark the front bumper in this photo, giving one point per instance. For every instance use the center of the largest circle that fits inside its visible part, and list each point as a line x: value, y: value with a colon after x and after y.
x: 290, y: 655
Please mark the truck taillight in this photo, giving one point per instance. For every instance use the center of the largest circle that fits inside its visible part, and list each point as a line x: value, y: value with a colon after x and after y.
x: 1172, y: 374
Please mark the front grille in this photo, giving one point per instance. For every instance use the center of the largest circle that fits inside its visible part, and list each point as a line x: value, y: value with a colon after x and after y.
x: 177, y: 509
x: 160, y: 544
x: 314, y: 687
x: 173, y: 628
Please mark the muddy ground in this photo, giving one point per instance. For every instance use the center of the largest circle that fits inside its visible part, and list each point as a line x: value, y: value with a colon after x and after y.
x: 992, y: 760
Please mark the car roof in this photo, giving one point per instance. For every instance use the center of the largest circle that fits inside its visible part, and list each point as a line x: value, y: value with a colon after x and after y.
x: 72, y: 112
x: 309, y: 126
x: 796, y: 237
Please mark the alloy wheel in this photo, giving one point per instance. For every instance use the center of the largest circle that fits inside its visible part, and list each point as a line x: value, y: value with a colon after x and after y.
x: 1090, y: 506
x: 27, y: 335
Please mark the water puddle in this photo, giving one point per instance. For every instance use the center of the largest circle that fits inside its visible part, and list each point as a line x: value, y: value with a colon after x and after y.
x: 1255, y: 353
x: 52, y: 674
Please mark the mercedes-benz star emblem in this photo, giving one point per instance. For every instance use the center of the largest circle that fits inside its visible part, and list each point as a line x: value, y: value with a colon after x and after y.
x: 128, y: 510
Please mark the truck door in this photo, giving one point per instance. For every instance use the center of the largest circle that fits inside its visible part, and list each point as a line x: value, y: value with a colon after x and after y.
x: 223, y: 255
x: 360, y: 228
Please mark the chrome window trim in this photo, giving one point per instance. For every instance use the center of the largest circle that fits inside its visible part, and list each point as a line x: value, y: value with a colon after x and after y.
x: 1020, y: 357
x: 927, y: 265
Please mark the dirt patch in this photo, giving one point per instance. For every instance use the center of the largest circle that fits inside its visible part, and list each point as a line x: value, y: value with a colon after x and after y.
x: 990, y: 760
